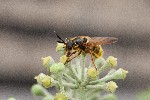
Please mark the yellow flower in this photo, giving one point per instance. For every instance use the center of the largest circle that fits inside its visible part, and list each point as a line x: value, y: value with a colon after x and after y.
x: 39, y: 78
x: 101, y: 51
x: 92, y: 72
x: 47, y: 61
x: 112, y: 61
x: 60, y: 96
x: 63, y: 59
x: 111, y: 86
x: 60, y: 47
x: 44, y: 80
x: 47, y: 81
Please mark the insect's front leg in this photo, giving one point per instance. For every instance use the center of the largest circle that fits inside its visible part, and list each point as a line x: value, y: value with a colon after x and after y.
x: 74, y: 56
x: 69, y: 54
x: 68, y: 60
x: 92, y: 59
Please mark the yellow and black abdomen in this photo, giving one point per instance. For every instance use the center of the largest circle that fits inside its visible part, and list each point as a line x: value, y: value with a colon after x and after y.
x: 97, y: 51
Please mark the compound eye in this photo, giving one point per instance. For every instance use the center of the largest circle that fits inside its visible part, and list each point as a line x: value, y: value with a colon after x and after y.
x: 84, y: 40
x: 69, y: 45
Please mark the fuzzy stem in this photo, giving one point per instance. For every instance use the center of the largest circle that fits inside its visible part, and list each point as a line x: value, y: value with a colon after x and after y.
x: 46, y: 93
x: 82, y: 94
x: 106, y: 78
x: 69, y: 78
x: 60, y: 83
x: 74, y: 73
x: 104, y: 67
x: 70, y: 85
x: 78, y: 64
x: 83, y: 67
x: 94, y: 86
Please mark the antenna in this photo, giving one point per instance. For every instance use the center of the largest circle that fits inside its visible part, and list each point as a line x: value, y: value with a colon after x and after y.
x: 62, y: 41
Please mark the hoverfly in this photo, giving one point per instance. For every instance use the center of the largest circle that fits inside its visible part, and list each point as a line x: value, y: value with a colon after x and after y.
x: 86, y: 44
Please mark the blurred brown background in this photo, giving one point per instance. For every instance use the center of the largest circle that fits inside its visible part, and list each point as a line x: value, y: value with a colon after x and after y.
x: 25, y: 37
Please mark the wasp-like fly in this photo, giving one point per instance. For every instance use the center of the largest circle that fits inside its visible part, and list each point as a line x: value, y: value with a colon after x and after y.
x: 90, y: 45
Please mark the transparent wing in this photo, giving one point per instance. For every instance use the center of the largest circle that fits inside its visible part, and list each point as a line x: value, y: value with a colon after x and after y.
x: 101, y: 40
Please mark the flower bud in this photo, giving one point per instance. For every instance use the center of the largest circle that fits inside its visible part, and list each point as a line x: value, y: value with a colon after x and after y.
x: 60, y: 48
x: 111, y: 86
x: 47, y: 61
x: 47, y: 81
x: 37, y: 90
x: 63, y: 59
x: 39, y: 78
x: 44, y: 80
x: 92, y: 72
x: 57, y: 68
x: 112, y: 61
x: 99, y: 62
x: 60, y: 96
x: 120, y: 74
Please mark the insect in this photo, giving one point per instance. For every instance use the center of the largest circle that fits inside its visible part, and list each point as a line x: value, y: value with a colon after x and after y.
x: 86, y: 44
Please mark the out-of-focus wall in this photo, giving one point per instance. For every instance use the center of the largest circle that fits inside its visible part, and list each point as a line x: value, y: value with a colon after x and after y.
x: 25, y: 27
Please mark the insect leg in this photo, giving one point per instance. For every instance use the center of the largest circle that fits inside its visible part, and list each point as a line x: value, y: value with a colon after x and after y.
x: 73, y: 57
x: 92, y: 60
x: 69, y: 54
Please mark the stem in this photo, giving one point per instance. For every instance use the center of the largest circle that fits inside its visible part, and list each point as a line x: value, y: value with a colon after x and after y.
x: 70, y: 85
x: 83, y: 67
x: 94, y: 86
x: 47, y: 93
x: 73, y: 73
x: 106, y: 78
x: 69, y: 78
x: 82, y: 94
x: 104, y: 67
x: 60, y: 83
x: 78, y: 64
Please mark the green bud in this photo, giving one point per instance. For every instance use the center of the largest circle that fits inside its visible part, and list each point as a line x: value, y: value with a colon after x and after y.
x: 60, y: 48
x: 47, y: 61
x: 120, y: 74
x: 37, y: 90
x: 60, y: 96
x: 92, y: 72
x: 57, y: 68
x: 63, y: 59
